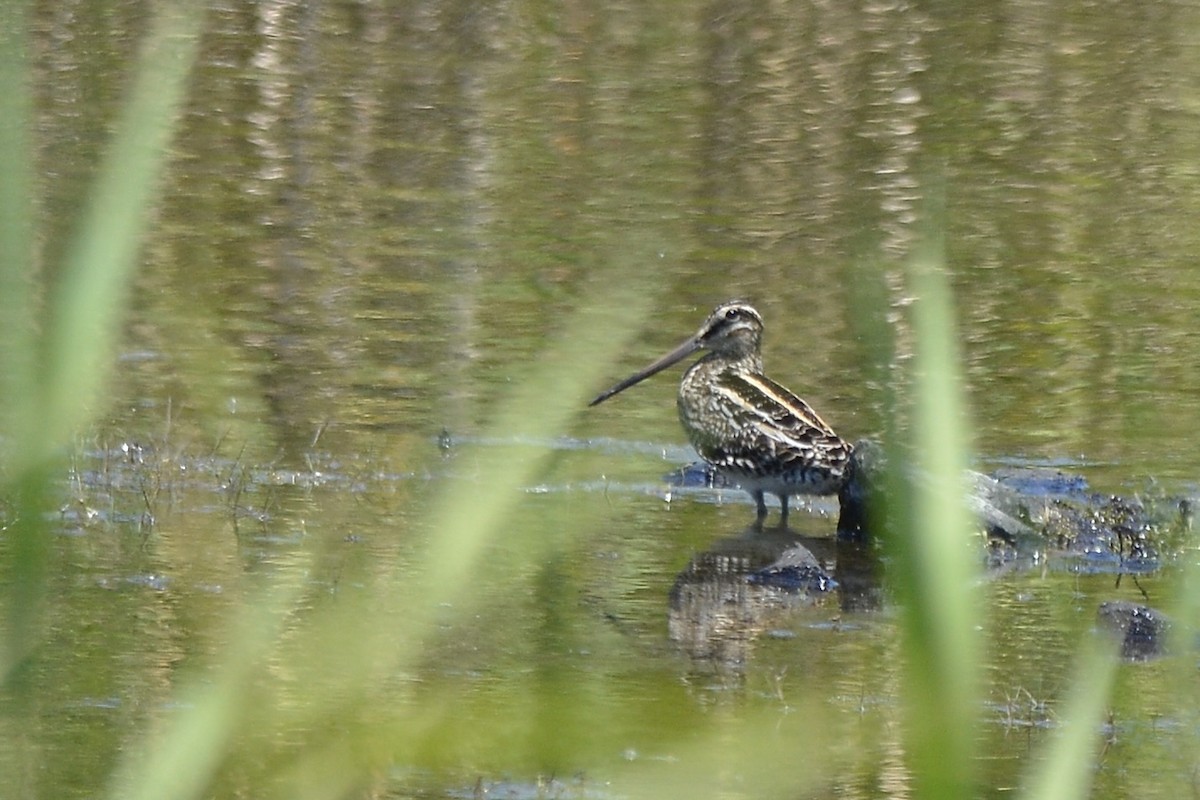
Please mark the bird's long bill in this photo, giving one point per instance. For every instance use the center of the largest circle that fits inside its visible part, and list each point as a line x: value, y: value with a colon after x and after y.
x: 679, y: 353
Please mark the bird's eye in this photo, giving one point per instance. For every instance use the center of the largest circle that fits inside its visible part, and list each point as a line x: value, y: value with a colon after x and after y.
x: 732, y: 313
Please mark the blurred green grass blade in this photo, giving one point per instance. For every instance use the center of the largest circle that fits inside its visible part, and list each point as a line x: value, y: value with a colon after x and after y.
x: 1183, y: 609
x: 87, y: 301
x: 49, y: 386
x: 180, y: 760
x: 540, y: 405
x: 24, y: 571
x: 24, y: 557
x: 1066, y: 771
x: 17, y: 351
x: 938, y: 568
x: 364, y: 640
x: 468, y: 515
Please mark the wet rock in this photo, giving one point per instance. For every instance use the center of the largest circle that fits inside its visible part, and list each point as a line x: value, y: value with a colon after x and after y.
x: 698, y: 474
x: 863, y: 498
x: 796, y: 570
x: 1029, y: 512
x: 1108, y: 533
x: 1041, y: 481
x: 1141, y: 630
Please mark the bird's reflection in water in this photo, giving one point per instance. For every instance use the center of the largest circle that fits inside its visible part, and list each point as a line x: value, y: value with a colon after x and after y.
x: 748, y: 583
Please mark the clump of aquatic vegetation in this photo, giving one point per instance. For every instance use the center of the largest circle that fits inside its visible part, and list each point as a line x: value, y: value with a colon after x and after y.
x: 139, y: 481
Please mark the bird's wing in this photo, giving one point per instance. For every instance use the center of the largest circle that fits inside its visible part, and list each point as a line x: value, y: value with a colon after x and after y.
x: 772, y: 424
x: 761, y: 399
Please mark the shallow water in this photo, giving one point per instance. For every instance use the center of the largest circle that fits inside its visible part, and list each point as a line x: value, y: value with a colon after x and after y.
x: 380, y: 220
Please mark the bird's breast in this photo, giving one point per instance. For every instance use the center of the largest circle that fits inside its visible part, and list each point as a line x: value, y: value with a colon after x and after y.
x: 709, y: 413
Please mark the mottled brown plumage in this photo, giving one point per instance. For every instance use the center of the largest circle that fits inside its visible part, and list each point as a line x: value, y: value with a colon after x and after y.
x: 757, y: 433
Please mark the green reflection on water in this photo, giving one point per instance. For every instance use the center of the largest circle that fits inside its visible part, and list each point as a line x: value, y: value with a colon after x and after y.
x: 378, y: 219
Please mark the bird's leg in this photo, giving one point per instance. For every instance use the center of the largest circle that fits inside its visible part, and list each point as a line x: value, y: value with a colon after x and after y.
x: 783, y: 516
x: 762, y: 504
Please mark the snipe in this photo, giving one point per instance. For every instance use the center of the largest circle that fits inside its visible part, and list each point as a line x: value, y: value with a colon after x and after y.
x: 757, y: 433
